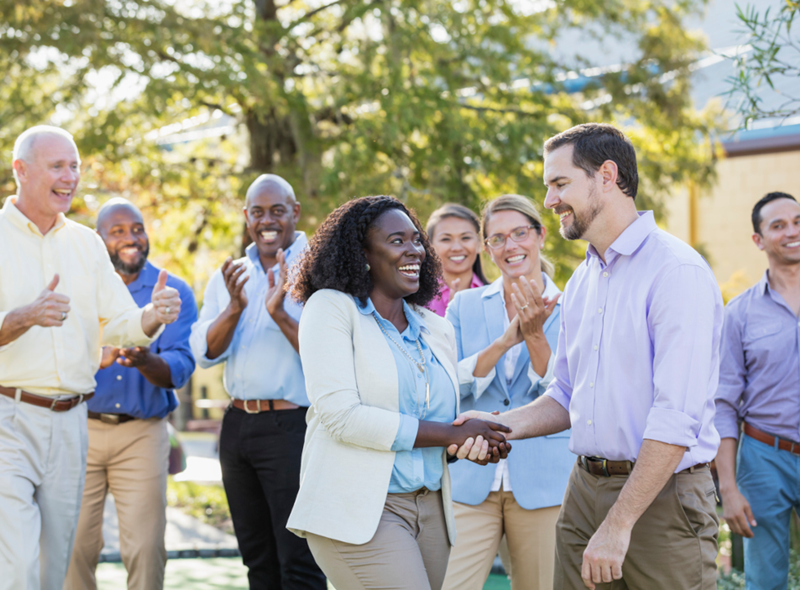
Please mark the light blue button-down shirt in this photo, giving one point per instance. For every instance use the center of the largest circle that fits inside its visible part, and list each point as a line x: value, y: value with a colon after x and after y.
x: 260, y: 363
x: 638, y: 349
x: 416, y: 468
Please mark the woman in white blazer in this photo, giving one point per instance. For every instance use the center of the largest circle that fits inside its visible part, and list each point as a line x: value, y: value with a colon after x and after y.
x: 381, y: 375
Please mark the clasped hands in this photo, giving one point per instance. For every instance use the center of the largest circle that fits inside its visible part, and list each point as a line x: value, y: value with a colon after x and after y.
x: 485, y: 440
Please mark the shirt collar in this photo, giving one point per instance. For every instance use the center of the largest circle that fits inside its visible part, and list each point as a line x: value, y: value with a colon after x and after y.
x: 416, y: 324
x: 763, y: 284
x: 19, y: 219
x: 148, y: 277
x: 631, y: 238
x: 299, y: 244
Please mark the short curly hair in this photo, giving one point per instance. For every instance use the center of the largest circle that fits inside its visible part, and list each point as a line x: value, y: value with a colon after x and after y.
x: 335, y: 257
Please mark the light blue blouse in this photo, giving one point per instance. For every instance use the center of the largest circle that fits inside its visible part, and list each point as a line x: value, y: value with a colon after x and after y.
x: 416, y: 468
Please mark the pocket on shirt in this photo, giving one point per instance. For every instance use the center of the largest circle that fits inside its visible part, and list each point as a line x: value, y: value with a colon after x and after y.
x: 762, y: 330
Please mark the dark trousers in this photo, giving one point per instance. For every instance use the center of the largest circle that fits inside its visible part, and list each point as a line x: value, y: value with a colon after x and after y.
x: 260, y: 459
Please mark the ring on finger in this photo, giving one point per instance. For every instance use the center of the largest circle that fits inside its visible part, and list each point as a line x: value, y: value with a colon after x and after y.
x: 166, y: 309
x: 63, y: 316
x: 523, y: 307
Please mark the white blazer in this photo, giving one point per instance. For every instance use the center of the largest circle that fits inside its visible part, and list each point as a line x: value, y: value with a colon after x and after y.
x: 351, y: 380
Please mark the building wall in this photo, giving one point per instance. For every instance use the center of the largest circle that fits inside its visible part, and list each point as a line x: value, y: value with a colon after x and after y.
x: 720, y: 217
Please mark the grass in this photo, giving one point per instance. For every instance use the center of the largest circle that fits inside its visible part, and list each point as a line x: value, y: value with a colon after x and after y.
x: 206, y: 503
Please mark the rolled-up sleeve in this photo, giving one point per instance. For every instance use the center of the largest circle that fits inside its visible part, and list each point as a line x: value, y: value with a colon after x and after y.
x: 560, y: 387
x: 406, y: 434
x: 118, y: 313
x: 213, y: 303
x: 732, y: 375
x: 326, y: 349
x: 683, y: 359
x: 173, y: 345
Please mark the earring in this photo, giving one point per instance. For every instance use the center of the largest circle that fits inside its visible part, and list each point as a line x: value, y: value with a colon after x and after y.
x: 367, y: 266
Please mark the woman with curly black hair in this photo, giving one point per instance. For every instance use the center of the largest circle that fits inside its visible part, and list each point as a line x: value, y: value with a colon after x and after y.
x: 374, y: 500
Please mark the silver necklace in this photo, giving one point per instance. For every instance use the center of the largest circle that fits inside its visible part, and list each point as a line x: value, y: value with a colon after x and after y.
x: 422, y: 367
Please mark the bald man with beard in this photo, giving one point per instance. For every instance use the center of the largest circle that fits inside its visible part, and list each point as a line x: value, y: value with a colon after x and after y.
x: 128, y: 439
x: 248, y: 323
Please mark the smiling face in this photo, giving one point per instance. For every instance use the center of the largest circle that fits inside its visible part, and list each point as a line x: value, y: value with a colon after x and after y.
x: 515, y: 259
x: 456, y: 243
x: 780, y: 231
x: 571, y: 194
x: 49, y: 180
x: 395, y: 254
x: 271, y: 216
x: 123, y: 232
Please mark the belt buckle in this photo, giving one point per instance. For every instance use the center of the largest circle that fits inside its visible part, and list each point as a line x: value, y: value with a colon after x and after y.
x: 109, y: 418
x: 258, y: 406
x: 605, y: 468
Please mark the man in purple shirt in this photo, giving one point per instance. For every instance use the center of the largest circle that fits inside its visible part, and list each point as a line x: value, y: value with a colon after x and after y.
x: 635, y: 375
x: 759, y: 387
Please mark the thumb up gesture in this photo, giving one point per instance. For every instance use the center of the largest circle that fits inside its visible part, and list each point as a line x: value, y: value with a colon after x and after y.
x: 50, y: 309
x: 166, y: 301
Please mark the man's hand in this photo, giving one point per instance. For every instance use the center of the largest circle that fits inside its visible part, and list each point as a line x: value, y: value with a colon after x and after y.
x: 166, y: 301
x: 232, y: 273
x: 137, y: 356
x: 478, y: 449
x: 603, y: 557
x: 110, y: 354
x: 276, y: 293
x: 737, y: 513
x: 49, y: 309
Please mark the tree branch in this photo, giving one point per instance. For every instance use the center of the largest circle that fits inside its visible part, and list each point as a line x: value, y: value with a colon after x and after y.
x: 311, y: 13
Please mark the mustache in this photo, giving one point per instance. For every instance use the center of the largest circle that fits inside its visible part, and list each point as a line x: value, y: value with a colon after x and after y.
x: 562, y: 209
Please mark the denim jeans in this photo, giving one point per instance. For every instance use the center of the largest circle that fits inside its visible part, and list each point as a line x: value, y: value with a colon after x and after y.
x: 770, y: 480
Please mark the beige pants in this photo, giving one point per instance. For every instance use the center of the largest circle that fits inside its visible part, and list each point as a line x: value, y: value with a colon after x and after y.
x: 673, y: 545
x: 131, y: 461
x: 408, y: 552
x: 530, y: 534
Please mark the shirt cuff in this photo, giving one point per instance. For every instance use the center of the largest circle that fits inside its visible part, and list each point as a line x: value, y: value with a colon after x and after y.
x: 406, y: 434
x: 471, y: 385
x: 198, y: 342
x: 136, y: 335
x: 537, y: 381
x: 671, y: 427
x: 726, y: 422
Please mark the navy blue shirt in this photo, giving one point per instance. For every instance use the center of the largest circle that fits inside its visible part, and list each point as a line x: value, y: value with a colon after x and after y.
x: 123, y: 390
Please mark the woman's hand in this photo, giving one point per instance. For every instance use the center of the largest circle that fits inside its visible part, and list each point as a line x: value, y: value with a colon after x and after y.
x: 532, y: 310
x: 512, y: 336
x: 490, y: 431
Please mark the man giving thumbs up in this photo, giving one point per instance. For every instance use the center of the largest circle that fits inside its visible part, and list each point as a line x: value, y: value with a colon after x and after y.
x: 60, y: 300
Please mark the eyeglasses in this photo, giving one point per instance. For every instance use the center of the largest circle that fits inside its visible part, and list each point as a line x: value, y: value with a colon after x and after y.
x: 518, y: 234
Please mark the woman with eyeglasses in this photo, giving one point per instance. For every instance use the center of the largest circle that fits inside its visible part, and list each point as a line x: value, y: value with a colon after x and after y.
x: 454, y: 232
x: 381, y: 374
x: 506, y: 334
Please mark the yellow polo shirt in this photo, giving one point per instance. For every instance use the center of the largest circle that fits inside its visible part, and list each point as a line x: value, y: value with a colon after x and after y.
x: 55, y: 361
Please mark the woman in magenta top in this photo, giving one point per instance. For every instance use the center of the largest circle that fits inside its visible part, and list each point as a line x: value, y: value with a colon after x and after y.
x: 454, y: 232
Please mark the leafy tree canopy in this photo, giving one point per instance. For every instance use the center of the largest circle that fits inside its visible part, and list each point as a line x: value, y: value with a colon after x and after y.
x: 429, y: 100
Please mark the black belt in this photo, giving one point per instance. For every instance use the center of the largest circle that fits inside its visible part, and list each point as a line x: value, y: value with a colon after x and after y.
x: 111, y: 418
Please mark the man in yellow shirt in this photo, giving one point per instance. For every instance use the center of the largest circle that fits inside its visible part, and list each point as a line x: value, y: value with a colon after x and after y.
x: 60, y: 300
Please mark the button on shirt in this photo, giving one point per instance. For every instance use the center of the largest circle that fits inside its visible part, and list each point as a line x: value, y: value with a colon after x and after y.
x: 260, y: 361
x: 123, y: 390
x: 638, y: 350
x: 759, y: 377
x: 61, y: 360
x: 416, y: 468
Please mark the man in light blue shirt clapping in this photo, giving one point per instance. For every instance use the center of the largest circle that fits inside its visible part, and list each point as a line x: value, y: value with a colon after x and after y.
x: 248, y: 322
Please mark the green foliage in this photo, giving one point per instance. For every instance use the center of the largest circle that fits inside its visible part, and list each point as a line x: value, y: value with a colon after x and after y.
x: 429, y: 100
x: 207, y: 503
x: 774, y: 60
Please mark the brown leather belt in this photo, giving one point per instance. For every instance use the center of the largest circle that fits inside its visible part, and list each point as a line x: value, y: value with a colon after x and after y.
x: 256, y: 406
x: 43, y: 401
x: 111, y: 418
x: 606, y: 468
x: 761, y: 436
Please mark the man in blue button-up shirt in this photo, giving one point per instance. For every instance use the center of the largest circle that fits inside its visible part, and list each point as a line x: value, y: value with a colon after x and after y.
x: 248, y: 323
x: 128, y: 440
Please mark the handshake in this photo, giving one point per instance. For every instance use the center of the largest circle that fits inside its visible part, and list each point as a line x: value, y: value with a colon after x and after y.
x: 479, y: 438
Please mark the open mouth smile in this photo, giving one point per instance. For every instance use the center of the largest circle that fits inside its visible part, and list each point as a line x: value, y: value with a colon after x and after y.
x: 268, y: 236
x: 457, y: 259
x: 410, y: 270
x: 793, y: 245
x: 516, y: 259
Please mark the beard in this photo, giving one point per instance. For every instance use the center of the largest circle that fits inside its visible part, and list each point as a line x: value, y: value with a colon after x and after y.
x: 130, y: 269
x: 580, y: 223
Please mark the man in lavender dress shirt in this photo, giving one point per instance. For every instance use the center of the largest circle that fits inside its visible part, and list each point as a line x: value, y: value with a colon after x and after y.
x: 635, y: 375
x: 759, y: 387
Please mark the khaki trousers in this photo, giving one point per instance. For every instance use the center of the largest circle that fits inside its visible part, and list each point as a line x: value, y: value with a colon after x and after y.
x: 673, y: 545
x: 408, y: 552
x: 131, y: 461
x: 530, y: 535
